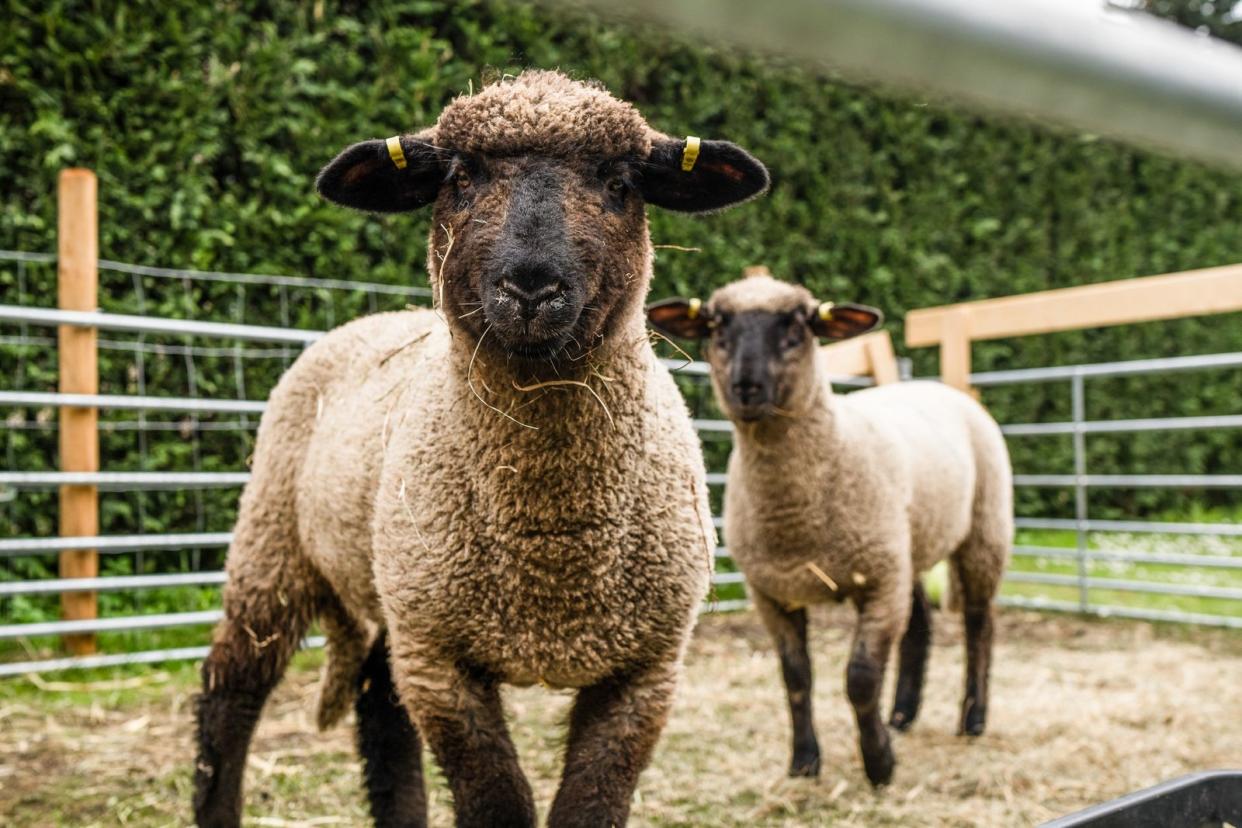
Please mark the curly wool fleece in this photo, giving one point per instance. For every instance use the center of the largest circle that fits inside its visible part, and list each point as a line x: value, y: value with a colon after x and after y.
x: 544, y: 113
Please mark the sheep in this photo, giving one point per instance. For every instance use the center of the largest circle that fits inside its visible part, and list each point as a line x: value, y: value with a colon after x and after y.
x: 505, y: 489
x: 834, y: 497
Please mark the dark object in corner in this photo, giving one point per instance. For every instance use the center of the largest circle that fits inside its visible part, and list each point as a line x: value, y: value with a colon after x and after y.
x: 1200, y: 800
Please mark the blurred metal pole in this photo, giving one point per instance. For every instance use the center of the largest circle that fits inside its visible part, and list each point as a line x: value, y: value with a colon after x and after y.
x: 1080, y: 63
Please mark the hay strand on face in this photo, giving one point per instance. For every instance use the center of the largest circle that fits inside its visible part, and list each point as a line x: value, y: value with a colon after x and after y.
x: 477, y: 395
x: 565, y: 382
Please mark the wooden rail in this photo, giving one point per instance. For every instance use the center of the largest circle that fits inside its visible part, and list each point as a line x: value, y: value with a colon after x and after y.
x: 1170, y: 296
x: 867, y: 355
x: 77, y: 281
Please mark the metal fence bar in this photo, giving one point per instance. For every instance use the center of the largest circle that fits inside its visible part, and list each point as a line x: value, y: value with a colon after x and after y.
x: 1124, y: 368
x: 20, y: 256
x: 1171, y: 616
x: 126, y: 624
x: 113, y: 543
x: 22, y: 668
x: 155, y: 325
x: 113, y: 583
x: 1161, y: 559
x: 126, y: 402
x: 1123, y: 585
x: 1138, y: 526
x: 724, y: 578
x: 1078, y: 405
x: 1135, y: 481
x: 1133, y: 77
x: 124, y: 480
x: 1122, y: 426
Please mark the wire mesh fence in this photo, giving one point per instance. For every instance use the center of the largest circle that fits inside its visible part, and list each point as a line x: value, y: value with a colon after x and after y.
x: 187, y: 357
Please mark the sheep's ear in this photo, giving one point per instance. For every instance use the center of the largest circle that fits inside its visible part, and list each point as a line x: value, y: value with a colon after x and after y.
x: 843, y: 321
x: 682, y: 318
x: 392, y: 176
x: 695, y: 176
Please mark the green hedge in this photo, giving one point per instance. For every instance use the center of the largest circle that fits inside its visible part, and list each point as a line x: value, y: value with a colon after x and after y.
x: 207, y: 122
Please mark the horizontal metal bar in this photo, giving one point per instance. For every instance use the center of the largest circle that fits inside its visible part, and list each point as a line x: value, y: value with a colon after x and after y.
x: 124, y: 480
x: 717, y: 478
x: 732, y: 605
x: 262, y: 279
x: 1119, y: 585
x: 122, y: 402
x: 1133, y: 481
x: 54, y: 665
x: 21, y: 256
x: 1138, y: 526
x: 722, y: 426
x: 113, y: 543
x: 1172, y: 616
x: 154, y: 325
x: 1111, y: 72
x: 1121, y: 426
x: 1160, y: 559
x: 1198, y: 362
x: 724, y: 578
x: 110, y: 583
x: 98, y: 625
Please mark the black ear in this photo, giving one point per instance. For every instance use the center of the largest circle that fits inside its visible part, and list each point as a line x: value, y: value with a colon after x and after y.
x: 720, y: 175
x: 682, y: 318
x: 843, y: 321
x: 384, y: 176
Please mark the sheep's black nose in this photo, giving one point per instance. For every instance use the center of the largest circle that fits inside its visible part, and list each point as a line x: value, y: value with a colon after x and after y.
x: 748, y: 392
x: 530, y: 285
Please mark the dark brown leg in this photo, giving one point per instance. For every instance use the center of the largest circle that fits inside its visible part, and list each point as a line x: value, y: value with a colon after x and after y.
x: 389, y: 746
x: 788, y: 631
x: 978, y: 619
x: 879, y: 614
x: 613, y: 729
x: 459, y: 714
x: 250, y: 651
x: 914, y: 649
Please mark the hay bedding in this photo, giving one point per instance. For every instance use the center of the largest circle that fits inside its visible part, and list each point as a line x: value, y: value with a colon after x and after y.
x: 1081, y: 712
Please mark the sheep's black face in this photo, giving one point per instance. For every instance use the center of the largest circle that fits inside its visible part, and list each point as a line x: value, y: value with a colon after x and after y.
x: 758, y: 359
x: 535, y: 254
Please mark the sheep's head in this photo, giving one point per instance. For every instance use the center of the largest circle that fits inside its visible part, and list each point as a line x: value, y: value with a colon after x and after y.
x: 761, y: 340
x: 539, y: 241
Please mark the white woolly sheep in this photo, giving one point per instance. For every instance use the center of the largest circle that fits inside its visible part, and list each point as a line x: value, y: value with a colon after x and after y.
x: 507, y: 489
x: 834, y: 497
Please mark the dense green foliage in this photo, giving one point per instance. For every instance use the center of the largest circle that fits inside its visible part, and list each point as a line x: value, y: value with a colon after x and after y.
x: 207, y: 122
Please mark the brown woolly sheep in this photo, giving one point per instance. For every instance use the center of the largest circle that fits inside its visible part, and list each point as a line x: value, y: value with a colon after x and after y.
x: 506, y: 489
x: 835, y: 497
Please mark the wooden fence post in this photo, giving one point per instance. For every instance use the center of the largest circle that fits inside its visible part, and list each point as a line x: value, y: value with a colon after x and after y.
x: 955, y: 349
x: 77, y: 281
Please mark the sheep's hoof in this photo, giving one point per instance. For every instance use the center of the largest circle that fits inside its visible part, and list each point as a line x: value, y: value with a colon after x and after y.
x: 901, y: 720
x: 879, y: 766
x: 974, y: 721
x: 804, y: 765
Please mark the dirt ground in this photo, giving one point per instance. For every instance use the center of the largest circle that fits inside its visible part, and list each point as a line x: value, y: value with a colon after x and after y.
x: 1081, y: 712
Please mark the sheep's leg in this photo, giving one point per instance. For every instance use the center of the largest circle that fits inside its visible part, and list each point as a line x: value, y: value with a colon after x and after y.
x: 613, y: 729
x: 459, y: 714
x: 914, y: 649
x: 788, y: 631
x: 250, y: 650
x: 979, y: 565
x: 392, y: 756
x: 879, y: 619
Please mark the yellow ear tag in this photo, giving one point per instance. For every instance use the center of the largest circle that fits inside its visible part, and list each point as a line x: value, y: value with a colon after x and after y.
x: 692, y: 312
x: 690, y: 154
x: 395, y: 152
x: 825, y: 311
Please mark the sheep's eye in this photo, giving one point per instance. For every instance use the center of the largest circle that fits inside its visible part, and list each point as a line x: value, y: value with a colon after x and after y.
x: 461, y: 179
x: 615, y: 185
